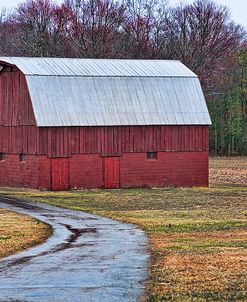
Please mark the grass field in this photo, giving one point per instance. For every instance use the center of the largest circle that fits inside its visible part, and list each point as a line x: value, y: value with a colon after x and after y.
x: 198, y: 236
x: 18, y: 232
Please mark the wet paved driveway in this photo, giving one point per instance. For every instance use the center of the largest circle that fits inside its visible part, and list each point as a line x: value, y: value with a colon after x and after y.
x: 88, y: 258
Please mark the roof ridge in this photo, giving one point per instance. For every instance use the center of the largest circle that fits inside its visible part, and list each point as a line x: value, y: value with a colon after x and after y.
x: 98, y: 67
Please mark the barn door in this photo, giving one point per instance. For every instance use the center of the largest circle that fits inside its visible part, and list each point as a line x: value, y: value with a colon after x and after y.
x: 60, y: 174
x: 111, y: 173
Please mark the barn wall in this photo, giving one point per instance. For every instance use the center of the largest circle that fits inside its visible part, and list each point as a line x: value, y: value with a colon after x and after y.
x: 19, y: 174
x: 170, y: 169
x: 44, y: 176
x: 115, y: 141
x: 86, y: 171
x: 15, y: 103
x: 21, y: 139
x: 106, y: 141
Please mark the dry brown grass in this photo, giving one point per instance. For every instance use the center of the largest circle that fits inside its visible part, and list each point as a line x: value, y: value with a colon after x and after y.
x: 199, y: 266
x: 18, y: 232
x: 198, y: 236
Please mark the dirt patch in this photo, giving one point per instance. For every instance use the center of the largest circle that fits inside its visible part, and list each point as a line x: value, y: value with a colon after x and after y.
x: 228, y: 170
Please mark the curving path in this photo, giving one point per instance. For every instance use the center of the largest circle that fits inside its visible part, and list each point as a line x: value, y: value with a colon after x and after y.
x: 88, y: 258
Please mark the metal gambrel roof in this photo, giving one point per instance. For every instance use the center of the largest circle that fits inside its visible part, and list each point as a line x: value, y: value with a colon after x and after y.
x: 96, y: 92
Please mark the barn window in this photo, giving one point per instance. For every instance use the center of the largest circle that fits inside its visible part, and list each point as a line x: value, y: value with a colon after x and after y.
x: 152, y: 155
x: 2, y: 156
x: 22, y: 157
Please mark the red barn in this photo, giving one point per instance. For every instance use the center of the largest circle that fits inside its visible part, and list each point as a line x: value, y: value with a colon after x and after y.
x: 87, y: 123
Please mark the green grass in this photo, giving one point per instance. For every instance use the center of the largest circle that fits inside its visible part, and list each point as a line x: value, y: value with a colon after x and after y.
x: 197, y: 227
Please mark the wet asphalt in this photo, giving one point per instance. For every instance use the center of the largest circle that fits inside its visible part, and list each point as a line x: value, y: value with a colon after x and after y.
x: 88, y: 258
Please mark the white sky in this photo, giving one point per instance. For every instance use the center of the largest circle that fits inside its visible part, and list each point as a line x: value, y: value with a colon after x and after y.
x: 238, y: 7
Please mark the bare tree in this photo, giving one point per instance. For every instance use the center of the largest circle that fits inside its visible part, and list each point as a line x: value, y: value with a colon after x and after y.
x: 39, y: 24
x: 203, y: 37
x: 94, y: 27
x: 143, y: 25
x: 7, y: 33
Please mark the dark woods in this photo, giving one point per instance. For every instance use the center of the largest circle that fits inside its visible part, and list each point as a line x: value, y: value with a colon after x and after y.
x: 201, y: 35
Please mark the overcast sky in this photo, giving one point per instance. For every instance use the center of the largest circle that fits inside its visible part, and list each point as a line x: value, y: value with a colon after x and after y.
x: 238, y: 7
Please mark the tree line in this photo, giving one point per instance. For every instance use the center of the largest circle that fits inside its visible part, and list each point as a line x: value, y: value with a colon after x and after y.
x: 202, y: 35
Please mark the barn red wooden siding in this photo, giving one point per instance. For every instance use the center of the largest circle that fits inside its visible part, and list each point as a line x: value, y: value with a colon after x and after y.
x: 106, y: 141
x: 15, y: 103
x: 91, y: 157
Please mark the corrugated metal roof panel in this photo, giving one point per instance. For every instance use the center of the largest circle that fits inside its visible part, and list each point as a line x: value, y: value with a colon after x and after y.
x: 100, y: 101
x: 99, y: 67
